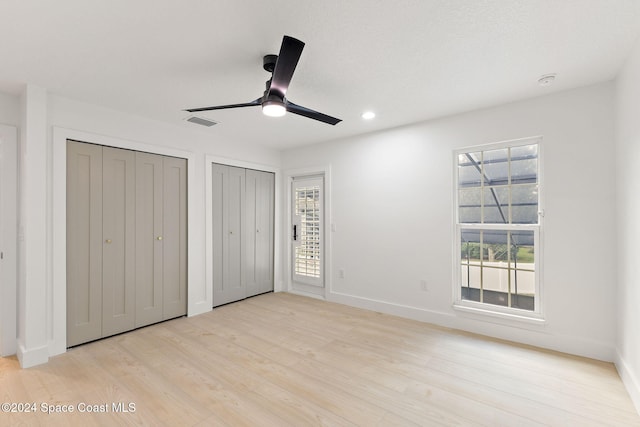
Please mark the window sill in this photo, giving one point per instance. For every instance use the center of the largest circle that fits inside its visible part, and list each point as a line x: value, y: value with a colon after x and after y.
x: 507, y: 317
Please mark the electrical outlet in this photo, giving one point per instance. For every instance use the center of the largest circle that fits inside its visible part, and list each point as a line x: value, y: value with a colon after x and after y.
x: 424, y: 286
x: 341, y: 273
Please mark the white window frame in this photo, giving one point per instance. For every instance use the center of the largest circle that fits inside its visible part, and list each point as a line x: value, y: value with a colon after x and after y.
x: 537, y: 315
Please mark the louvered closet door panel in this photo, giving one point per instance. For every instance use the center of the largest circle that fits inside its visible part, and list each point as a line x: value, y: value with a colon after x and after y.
x: 174, y: 237
x: 84, y: 242
x: 149, y: 224
x: 228, y: 229
x: 118, y: 226
x: 259, y: 232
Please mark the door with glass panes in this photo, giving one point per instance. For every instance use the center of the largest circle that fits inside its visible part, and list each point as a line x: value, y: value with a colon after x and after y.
x: 307, y: 231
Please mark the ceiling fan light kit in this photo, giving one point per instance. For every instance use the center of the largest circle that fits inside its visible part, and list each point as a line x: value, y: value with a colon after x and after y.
x: 273, y: 101
x: 273, y: 108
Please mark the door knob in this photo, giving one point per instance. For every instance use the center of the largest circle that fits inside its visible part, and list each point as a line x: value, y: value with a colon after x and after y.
x: 159, y: 237
x: 108, y: 241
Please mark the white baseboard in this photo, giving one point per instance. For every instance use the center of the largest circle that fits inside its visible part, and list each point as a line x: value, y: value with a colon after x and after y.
x: 422, y: 315
x: 629, y: 379
x: 305, y: 294
x: 32, y: 357
x: 529, y: 334
x: 199, y: 308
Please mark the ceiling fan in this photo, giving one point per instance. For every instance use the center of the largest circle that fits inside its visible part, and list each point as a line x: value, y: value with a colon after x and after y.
x: 273, y: 101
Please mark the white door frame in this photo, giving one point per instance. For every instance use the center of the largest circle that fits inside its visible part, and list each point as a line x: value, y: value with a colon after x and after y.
x: 316, y: 292
x: 8, y: 239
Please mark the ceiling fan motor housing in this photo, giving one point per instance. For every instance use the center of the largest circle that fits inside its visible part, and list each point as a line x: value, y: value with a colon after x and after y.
x: 269, y: 62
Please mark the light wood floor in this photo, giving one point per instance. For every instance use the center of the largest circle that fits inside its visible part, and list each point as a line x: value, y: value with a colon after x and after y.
x: 281, y: 359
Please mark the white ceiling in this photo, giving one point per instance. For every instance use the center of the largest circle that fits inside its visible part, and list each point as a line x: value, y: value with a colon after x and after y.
x: 408, y: 60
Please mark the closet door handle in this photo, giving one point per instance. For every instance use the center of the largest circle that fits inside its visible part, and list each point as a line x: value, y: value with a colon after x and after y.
x: 108, y: 241
x: 295, y: 232
x: 159, y: 238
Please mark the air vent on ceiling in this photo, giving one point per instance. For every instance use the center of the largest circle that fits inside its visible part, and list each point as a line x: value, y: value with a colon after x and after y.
x: 201, y: 121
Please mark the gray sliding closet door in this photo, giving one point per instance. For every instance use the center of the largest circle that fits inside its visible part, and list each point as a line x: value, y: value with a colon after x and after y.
x: 259, y: 225
x: 148, y: 239
x: 243, y: 203
x: 118, y: 253
x: 174, y: 237
x: 228, y: 229
x: 84, y: 242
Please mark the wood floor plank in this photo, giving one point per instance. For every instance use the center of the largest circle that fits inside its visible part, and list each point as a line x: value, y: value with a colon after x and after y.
x: 286, y: 360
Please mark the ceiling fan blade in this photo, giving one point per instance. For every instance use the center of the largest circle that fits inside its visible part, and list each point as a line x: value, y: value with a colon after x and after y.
x: 290, y: 52
x: 224, y: 107
x: 306, y: 112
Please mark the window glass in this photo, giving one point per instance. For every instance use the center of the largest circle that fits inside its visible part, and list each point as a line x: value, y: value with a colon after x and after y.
x: 499, y: 188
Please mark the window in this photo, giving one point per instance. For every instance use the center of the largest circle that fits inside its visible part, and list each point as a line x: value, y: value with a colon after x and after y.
x: 307, y: 229
x: 498, y: 225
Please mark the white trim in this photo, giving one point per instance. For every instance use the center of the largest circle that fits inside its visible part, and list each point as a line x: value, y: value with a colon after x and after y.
x: 629, y: 379
x: 481, y: 309
x: 517, y: 332
x: 518, y: 142
x: 8, y: 238
x: 32, y: 357
x: 289, y: 175
x: 208, y: 196
x: 195, y: 305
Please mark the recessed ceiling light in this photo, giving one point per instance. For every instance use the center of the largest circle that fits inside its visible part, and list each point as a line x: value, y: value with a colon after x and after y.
x: 546, y: 79
x: 368, y: 115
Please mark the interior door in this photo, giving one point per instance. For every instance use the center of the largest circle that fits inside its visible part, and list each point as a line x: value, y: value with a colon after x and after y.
x: 149, y: 222
x: 174, y: 237
x: 228, y: 228
x: 307, y: 231
x: 259, y: 231
x: 118, y: 272
x: 84, y: 242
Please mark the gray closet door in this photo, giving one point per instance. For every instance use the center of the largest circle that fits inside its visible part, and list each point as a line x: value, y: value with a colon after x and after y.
x: 118, y: 254
x: 84, y: 242
x: 126, y: 240
x: 174, y: 237
x: 259, y: 235
x: 149, y: 223
x: 228, y: 229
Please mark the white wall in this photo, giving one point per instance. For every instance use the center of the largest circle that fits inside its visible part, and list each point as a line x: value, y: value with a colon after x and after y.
x: 628, y: 203
x: 65, y: 118
x: 392, y: 208
x: 33, y: 238
x: 9, y: 109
